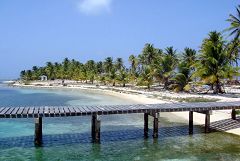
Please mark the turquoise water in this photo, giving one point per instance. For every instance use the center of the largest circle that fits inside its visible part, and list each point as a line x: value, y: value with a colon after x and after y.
x: 121, y: 135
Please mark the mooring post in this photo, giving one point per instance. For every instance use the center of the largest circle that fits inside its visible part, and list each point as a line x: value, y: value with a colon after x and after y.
x: 155, y: 125
x: 190, y: 122
x: 38, y: 131
x: 146, y: 125
x: 207, y: 122
x: 95, y: 128
x: 233, y: 114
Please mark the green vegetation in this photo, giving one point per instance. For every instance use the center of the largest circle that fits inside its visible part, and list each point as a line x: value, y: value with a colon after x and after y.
x: 191, y: 99
x: 216, y: 62
x: 238, y: 112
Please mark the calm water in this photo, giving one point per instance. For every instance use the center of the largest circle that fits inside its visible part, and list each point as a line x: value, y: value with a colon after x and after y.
x: 122, y: 135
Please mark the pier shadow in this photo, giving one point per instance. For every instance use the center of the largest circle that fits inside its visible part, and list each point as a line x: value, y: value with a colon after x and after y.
x: 226, y: 124
x: 106, y: 136
x: 131, y: 133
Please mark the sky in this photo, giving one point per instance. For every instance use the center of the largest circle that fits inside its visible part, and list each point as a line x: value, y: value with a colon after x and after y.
x: 34, y: 32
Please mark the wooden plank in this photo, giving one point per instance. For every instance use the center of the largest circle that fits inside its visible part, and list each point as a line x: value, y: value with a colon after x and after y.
x: 25, y: 112
x: 67, y: 111
x: 72, y: 111
x: 78, y: 111
x: 62, y: 112
x: 51, y: 111
x: 30, y: 112
x: 41, y: 111
x: 89, y: 110
x: 94, y: 109
x: 47, y: 111
x: 36, y: 112
x: 8, y: 113
x: 4, y: 111
x: 2, y: 108
x: 19, y: 112
x: 56, y: 112
x: 14, y: 112
x: 84, y: 113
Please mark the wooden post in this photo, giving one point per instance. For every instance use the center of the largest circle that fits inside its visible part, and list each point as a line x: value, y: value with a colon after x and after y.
x: 146, y: 125
x: 155, y: 126
x: 233, y: 114
x: 38, y: 131
x: 95, y: 129
x: 207, y: 122
x: 190, y: 122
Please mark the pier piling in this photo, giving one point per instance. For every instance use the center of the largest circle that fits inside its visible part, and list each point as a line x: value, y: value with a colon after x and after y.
x: 38, y: 131
x: 146, y: 125
x: 233, y: 114
x: 207, y: 122
x: 155, y: 126
x: 190, y: 122
x: 95, y: 128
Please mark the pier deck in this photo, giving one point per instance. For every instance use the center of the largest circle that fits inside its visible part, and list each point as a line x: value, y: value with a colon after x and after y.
x: 148, y: 109
x: 53, y: 111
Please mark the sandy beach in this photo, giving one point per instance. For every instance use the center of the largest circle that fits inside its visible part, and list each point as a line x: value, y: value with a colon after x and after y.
x: 220, y: 120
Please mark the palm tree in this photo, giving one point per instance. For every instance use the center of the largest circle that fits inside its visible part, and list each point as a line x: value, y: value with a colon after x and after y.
x: 112, y: 76
x: 185, y: 69
x: 119, y: 63
x: 213, y: 64
x: 235, y: 24
x: 234, y: 30
x: 35, y: 73
x: 183, y: 76
x: 133, y: 60
x: 122, y: 77
x: 65, y: 64
x: 49, y: 70
x: 99, y: 67
x: 108, y: 64
x: 22, y: 74
x: 172, y: 53
x: 28, y: 75
x: 146, y: 77
x: 133, y: 63
x: 165, y: 66
x: 91, y: 70
x: 189, y: 56
x: 148, y: 54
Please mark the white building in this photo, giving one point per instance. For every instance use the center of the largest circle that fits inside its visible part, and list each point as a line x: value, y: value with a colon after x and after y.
x: 43, y: 78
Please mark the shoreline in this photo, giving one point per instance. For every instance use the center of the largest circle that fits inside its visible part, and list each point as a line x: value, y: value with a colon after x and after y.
x: 146, y: 98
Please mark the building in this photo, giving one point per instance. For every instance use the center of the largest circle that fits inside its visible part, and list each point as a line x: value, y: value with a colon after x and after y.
x: 43, y: 78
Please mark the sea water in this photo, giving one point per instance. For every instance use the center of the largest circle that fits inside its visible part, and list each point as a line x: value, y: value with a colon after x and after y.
x: 121, y: 135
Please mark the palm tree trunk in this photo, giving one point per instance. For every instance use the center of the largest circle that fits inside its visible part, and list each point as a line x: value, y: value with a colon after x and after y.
x: 218, y: 88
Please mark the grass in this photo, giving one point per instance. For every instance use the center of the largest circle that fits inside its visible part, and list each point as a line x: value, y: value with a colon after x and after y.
x: 238, y: 112
x: 191, y: 99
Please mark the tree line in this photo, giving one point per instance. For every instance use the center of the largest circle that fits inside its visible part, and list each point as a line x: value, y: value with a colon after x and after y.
x: 216, y: 61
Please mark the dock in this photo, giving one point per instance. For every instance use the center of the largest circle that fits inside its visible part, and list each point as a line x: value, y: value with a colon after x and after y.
x: 152, y: 110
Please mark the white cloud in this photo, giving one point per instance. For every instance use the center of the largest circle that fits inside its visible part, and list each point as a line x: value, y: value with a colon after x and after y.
x: 92, y: 7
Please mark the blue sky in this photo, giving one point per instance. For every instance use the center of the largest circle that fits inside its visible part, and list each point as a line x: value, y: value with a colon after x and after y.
x: 34, y: 32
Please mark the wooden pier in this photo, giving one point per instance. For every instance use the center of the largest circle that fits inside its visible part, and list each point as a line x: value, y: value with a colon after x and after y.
x: 152, y: 110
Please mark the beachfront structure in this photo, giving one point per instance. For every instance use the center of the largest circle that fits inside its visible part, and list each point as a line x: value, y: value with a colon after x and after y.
x: 94, y: 111
x: 43, y: 78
